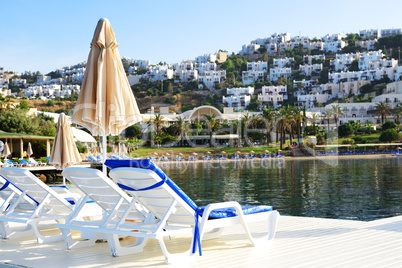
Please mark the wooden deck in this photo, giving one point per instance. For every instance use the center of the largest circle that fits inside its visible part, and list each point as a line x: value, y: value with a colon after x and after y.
x: 300, y: 242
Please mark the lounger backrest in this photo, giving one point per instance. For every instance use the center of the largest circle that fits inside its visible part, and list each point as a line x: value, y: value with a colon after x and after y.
x: 101, y: 190
x: 32, y: 186
x: 156, y: 200
x: 6, y: 189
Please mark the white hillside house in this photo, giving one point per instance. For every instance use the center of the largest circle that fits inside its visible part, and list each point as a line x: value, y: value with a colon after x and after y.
x: 238, y: 98
x: 276, y: 73
x: 273, y: 95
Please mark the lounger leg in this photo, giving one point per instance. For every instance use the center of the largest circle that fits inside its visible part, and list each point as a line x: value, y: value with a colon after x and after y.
x: 116, y: 249
x: 273, y: 221
x: 44, y: 238
x: 71, y: 243
x: 6, y: 232
x: 174, y: 258
x: 213, y: 234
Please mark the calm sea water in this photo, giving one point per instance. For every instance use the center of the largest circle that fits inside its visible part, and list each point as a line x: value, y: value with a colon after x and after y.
x: 359, y: 189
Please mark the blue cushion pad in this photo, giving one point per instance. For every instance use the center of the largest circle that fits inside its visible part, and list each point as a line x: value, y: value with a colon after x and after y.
x: 72, y: 202
x: 231, y: 212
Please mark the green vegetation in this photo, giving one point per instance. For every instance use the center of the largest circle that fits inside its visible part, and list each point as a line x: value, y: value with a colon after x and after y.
x: 389, y: 135
x: 393, y: 43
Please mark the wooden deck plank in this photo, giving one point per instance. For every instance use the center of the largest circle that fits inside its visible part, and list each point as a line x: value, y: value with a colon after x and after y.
x: 300, y: 242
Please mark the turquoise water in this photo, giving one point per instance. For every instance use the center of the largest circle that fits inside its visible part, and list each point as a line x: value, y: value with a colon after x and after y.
x: 359, y: 189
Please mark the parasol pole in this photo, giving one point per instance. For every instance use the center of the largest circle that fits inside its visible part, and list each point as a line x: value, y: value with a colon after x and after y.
x: 104, y: 154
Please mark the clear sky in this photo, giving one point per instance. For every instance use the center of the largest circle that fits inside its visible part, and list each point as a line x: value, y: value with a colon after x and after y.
x: 46, y: 35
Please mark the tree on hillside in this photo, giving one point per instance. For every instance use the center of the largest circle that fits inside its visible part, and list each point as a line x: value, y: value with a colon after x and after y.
x: 354, y: 67
x: 18, y: 121
x: 133, y: 131
x: 262, y: 50
x: 366, y: 88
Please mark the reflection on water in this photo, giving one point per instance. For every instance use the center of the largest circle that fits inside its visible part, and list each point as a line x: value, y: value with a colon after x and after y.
x: 363, y: 189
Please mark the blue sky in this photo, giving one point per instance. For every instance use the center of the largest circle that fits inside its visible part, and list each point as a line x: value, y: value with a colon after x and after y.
x: 46, y: 35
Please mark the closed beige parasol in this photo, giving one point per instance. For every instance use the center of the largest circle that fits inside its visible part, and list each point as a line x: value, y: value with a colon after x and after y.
x: 106, y: 104
x: 64, y: 151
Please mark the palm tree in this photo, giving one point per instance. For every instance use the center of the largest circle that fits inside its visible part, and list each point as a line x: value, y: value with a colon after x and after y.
x: 269, y: 115
x: 398, y: 111
x: 157, y: 121
x: 368, y: 126
x: 285, y: 123
x: 327, y: 116
x: 213, y: 125
x: 244, y: 122
x: 382, y: 108
x: 337, y: 111
x: 254, y: 120
x: 299, y: 117
x: 314, y: 118
x: 356, y: 125
x: 181, y: 126
x: 237, y: 126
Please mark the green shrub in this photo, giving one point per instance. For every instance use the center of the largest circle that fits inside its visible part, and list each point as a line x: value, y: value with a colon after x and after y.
x: 345, y: 130
x: 388, y: 125
x: 359, y: 139
x: 389, y: 135
x: 348, y: 141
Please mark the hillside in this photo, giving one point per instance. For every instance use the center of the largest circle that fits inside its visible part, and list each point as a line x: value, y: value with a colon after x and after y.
x: 178, y: 103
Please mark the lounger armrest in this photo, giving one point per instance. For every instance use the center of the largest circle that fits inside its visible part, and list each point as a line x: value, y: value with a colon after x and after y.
x: 232, y: 204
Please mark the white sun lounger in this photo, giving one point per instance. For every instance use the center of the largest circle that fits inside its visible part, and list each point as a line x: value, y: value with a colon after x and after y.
x: 9, y: 194
x: 176, y: 212
x: 52, y: 206
x: 117, y: 206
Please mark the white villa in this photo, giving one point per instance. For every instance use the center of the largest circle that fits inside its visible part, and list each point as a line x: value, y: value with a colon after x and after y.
x: 276, y: 73
x: 160, y: 72
x: 309, y: 69
x: 390, y: 32
x: 210, y: 78
x: 393, y: 73
x: 281, y: 63
x: 369, y: 33
x: 238, y: 98
x: 273, y: 95
x: 308, y: 59
x: 205, y: 67
x: 51, y: 91
x: 185, y: 75
x: 255, y: 72
x: 362, y: 112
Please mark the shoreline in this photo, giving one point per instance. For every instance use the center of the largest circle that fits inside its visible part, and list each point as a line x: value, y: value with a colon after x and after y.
x: 310, y: 157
